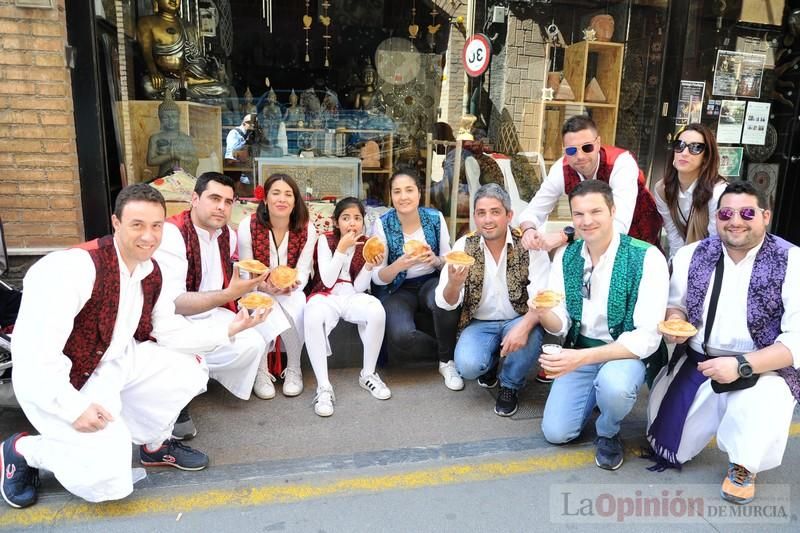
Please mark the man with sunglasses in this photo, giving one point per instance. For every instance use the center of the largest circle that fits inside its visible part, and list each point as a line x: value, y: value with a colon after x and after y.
x: 741, y: 290
x: 586, y: 158
x: 615, y: 291
x: 238, y: 146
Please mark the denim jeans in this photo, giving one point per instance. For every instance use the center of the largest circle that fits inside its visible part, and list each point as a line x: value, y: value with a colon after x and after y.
x: 478, y: 350
x: 612, y: 386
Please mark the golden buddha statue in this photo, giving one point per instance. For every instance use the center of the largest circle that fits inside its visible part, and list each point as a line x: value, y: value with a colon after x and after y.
x: 370, y: 99
x: 173, y: 57
x: 170, y: 148
x: 294, y: 114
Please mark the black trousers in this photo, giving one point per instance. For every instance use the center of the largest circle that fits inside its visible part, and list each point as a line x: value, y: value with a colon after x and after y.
x: 402, y: 334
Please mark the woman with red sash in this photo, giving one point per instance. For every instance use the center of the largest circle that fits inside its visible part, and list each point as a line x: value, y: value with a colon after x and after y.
x: 280, y: 233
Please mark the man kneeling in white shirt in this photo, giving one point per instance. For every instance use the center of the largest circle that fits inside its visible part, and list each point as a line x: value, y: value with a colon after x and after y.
x: 97, y: 381
x: 495, y: 322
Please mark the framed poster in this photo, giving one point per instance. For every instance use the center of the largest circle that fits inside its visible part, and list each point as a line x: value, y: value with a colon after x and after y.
x: 755, y: 123
x: 730, y: 161
x: 731, y: 120
x: 738, y: 74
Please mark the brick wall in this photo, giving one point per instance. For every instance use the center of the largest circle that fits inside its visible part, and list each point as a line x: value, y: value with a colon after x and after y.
x: 39, y: 181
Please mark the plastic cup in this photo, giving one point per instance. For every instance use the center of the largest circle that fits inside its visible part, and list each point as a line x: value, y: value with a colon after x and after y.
x: 551, y: 349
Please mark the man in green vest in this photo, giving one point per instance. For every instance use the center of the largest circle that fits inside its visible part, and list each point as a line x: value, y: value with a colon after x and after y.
x: 495, y: 323
x: 616, y: 289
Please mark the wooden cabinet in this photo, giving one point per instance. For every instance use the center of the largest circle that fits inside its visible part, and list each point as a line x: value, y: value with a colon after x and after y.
x: 584, y: 62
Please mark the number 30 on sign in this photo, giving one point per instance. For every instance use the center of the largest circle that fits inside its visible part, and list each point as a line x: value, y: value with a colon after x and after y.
x: 476, y: 55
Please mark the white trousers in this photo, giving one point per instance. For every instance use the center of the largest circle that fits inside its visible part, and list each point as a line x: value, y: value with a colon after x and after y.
x: 286, y: 320
x: 751, y: 425
x: 322, y: 314
x: 144, y: 390
x: 235, y: 365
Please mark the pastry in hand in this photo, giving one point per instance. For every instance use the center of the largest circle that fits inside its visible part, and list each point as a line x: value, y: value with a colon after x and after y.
x: 283, y: 277
x: 254, y: 266
x: 547, y: 299
x: 414, y: 248
x: 677, y: 327
x: 459, y: 258
x: 255, y: 300
x: 372, y: 249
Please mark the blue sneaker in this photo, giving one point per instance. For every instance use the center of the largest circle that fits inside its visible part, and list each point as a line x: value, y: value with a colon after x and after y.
x: 174, y: 453
x: 20, y: 482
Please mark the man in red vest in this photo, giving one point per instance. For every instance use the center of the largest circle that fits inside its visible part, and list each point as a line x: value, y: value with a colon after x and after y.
x: 98, y: 362
x: 196, y: 255
x: 585, y: 157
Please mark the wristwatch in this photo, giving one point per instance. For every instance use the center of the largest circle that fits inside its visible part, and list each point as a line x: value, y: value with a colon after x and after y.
x: 569, y: 231
x: 745, y: 370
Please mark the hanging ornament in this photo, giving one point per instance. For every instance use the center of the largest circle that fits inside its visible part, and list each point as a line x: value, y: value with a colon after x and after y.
x: 413, y: 29
x: 266, y: 13
x: 433, y: 27
x: 326, y: 22
x: 307, y: 20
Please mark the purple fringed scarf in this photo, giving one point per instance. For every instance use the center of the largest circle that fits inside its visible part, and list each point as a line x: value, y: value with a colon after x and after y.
x: 764, y: 313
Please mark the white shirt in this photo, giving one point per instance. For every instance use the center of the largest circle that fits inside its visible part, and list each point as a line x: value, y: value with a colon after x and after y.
x: 235, y: 141
x: 651, y: 303
x: 336, y: 266
x: 281, y: 255
x: 729, y: 334
x: 676, y: 240
x: 415, y: 271
x: 56, y: 289
x: 624, y: 182
x: 495, y: 304
x: 171, y: 256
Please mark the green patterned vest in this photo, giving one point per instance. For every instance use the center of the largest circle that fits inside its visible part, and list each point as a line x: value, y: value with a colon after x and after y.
x: 622, y: 293
x: 517, y: 261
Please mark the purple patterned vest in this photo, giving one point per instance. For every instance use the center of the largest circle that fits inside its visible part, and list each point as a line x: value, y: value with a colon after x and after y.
x: 764, y: 299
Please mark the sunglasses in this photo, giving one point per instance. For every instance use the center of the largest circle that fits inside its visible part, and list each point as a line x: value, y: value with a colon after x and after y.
x: 587, y: 148
x: 586, y: 286
x: 694, y: 148
x: 747, y: 213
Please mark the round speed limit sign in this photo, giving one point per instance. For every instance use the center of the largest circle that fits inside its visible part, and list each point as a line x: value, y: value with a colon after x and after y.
x: 476, y: 54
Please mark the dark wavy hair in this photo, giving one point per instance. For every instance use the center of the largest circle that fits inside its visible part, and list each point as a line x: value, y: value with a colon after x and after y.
x: 341, y: 205
x: 709, y: 171
x: 299, y: 217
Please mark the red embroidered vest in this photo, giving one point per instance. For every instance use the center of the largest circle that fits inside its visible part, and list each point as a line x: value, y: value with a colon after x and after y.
x: 194, y: 272
x: 259, y: 236
x: 356, y: 264
x: 646, y: 222
x: 94, y: 324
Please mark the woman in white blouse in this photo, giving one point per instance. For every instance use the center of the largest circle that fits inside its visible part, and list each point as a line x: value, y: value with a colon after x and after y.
x: 280, y: 233
x: 687, y: 196
x: 406, y: 282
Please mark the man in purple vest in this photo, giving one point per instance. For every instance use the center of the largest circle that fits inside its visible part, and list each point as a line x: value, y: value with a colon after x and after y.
x: 752, y: 329
x: 87, y: 369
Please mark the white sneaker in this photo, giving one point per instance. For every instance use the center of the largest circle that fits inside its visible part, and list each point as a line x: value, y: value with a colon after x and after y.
x: 451, y: 378
x: 292, y: 381
x: 263, y: 386
x: 375, y: 386
x: 323, y: 401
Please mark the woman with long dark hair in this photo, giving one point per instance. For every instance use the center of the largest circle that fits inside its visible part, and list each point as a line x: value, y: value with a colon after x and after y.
x: 338, y: 292
x: 280, y: 233
x: 416, y: 239
x: 687, y: 196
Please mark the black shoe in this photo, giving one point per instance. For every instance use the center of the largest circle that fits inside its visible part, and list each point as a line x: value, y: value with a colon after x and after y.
x: 507, y: 403
x: 174, y: 453
x: 489, y: 379
x: 608, y: 452
x: 184, y: 428
x: 19, y: 482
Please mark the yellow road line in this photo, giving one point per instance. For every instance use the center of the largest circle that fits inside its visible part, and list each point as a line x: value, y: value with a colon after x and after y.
x: 210, y: 499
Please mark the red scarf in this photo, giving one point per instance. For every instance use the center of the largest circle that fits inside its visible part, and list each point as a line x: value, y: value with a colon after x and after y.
x: 94, y: 325
x: 194, y: 272
x: 356, y: 264
x: 260, y: 235
x: 646, y: 222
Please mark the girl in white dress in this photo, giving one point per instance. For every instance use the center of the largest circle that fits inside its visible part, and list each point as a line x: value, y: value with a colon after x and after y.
x: 338, y: 292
